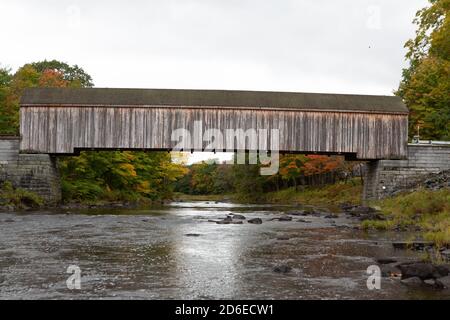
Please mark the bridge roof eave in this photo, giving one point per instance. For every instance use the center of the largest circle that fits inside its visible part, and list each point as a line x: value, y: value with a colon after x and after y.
x: 212, y: 99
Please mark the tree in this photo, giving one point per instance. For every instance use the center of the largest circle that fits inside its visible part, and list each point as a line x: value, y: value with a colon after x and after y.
x: 292, y: 167
x: 52, y: 78
x: 37, y: 74
x: 318, y: 164
x: 202, y: 179
x: 248, y: 182
x: 25, y: 77
x: 119, y: 175
x: 5, y: 116
x: 74, y: 75
x: 425, y: 84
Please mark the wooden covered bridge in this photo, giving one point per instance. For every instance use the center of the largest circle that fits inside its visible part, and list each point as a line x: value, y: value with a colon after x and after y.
x: 67, y: 120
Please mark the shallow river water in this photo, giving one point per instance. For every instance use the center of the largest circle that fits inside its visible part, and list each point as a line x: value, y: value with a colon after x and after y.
x: 173, y: 252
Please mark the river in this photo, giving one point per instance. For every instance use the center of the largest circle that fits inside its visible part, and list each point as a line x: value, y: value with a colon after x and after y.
x: 173, y: 252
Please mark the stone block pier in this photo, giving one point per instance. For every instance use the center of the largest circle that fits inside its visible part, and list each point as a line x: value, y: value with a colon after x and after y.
x: 385, y: 178
x: 33, y: 172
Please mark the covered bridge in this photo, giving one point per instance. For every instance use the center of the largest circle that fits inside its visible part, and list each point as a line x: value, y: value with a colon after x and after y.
x: 67, y: 120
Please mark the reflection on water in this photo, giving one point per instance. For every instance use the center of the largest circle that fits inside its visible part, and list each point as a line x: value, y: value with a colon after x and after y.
x: 174, y: 252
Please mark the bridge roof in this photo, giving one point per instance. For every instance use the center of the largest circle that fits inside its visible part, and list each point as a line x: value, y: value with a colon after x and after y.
x: 212, y: 98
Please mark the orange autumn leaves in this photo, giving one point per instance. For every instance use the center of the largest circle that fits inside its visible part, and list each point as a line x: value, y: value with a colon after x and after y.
x: 37, y: 74
x: 294, y: 166
x: 53, y: 78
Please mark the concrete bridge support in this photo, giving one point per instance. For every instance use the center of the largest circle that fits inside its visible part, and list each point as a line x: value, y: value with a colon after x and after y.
x: 385, y: 178
x: 33, y: 172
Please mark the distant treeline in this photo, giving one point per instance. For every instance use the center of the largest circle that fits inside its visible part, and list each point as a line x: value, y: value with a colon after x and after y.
x: 246, y: 181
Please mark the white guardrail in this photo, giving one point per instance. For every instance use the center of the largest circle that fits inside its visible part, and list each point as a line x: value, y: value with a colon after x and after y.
x: 430, y: 142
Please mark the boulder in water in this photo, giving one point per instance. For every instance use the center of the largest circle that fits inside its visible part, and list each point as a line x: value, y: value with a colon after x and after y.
x: 255, y: 221
x: 282, y: 269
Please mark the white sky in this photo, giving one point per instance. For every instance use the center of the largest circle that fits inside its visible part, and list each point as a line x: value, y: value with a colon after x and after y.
x: 347, y: 46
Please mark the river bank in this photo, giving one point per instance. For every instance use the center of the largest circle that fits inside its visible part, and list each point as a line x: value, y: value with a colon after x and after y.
x: 348, y: 192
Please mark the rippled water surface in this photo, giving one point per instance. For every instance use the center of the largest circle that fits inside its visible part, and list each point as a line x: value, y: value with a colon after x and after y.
x: 173, y: 252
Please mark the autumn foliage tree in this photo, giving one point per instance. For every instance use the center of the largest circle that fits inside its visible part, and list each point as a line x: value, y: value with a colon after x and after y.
x: 425, y: 85
x: 292, y: 167
x: 320, y: 164
x: 38, y: 74
x: 119, y: 176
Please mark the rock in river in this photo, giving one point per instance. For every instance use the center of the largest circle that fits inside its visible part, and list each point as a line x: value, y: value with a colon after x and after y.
x: 282, y: 269
x: 237, y: 216
x: 421, y: 270
x: 415, y: 245
x: 414, y: 282
x: 390, y: 270
x: 443, y: 282
x: 255, y: 221
x: 346, y: 206
x: 282, y: 218
x: 296, y: 213
x: 446, y: 254
x: 386, y: 260
x: 227, y: 220
x: 313, y: 212
x: 433, y: 283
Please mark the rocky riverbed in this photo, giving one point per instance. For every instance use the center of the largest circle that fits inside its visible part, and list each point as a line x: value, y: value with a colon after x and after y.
x: 199, y: 250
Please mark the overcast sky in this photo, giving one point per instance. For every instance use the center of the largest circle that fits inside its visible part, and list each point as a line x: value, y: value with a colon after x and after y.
x: 346, y: 46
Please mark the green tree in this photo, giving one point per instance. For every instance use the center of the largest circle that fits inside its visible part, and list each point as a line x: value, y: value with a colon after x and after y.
x: 203, y: 177
x: 5, y: 116
x: 248, y: 182
x: 119, y: 175
x: 425, y: 84
x: 25, y: 77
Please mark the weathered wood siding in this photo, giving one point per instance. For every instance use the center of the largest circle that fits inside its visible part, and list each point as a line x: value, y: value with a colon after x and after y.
x: 62, y: 129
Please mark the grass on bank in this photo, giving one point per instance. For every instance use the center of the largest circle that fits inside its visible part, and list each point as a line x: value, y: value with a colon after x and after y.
x: 90, y: 193
x: 340, y: 192
x: 201, y: 197
x: 424, y: 211
x: 19, y: 198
